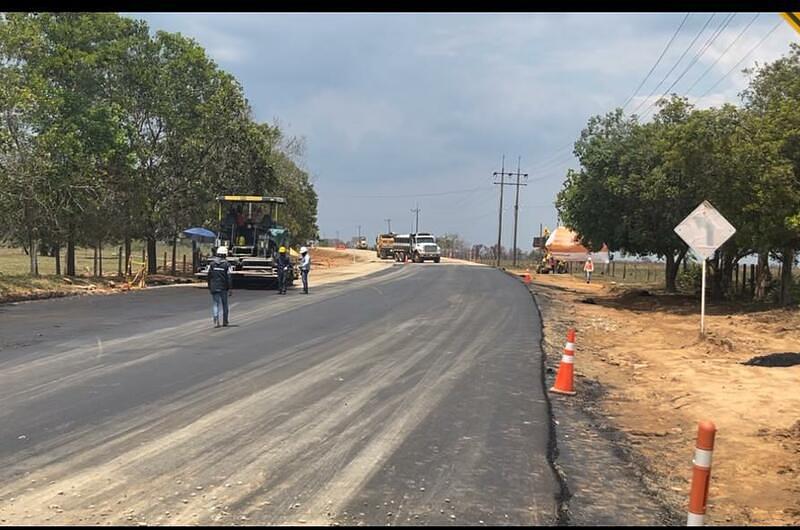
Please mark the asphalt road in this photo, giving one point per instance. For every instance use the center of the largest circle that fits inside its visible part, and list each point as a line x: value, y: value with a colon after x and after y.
x: 411, y: 396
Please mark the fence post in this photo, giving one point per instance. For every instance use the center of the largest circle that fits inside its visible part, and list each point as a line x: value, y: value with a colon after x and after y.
x: 624, y: 269
x: 184, y: 263
x: 165, y: 261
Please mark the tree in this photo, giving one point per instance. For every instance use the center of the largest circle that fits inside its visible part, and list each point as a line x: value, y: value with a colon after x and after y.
x: 773, y: 97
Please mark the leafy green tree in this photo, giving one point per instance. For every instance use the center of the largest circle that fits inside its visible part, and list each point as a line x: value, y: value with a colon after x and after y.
x: 773, y: 97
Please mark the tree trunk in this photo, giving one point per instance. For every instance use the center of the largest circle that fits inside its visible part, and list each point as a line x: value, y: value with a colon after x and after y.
x: 33, y: 254
x: 100, y: 257
x: 671, y: 270
x: 174, y: 251
x: 94, y: 262
x: 787, y: 263
x: 70, y: 256
x: 58, y: 259
x: 763, y: 276
x: 152, y: 265
x: 127, y: 255
x: 715, y: 268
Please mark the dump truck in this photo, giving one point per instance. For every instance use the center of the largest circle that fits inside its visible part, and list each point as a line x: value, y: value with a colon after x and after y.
x: 384, y: 244
x: 248, y: 227
x: 416, y: 247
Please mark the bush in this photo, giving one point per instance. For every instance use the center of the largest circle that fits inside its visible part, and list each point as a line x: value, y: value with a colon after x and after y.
x: 691, y: 279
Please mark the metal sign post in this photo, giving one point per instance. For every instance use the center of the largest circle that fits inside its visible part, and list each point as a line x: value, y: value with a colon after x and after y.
x: 704, y: 230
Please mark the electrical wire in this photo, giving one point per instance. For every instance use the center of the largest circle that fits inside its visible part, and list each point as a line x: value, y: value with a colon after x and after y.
x: 724, y: 24
x: 658, y: 61
x: 739, y: 36
x: 676, y: 64
x: 764, y: 38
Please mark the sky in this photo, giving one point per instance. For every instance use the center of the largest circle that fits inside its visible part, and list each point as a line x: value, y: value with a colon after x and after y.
x: 399, y: 111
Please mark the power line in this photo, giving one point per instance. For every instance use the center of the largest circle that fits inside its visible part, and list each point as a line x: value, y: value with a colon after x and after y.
x: 741, y: 60
x: 739, y: 36
x: 557, y: 159
x: 676, y: 63
x: 719, y: 30
x: 414, y: 195
x: 658, y: 61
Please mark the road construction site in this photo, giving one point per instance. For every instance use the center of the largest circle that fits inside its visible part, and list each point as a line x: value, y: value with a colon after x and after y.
x: 409, y: 395
x: 398, y: 393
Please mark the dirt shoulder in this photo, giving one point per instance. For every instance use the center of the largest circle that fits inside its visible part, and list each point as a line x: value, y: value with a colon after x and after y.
x: 330, y: 265
x: 642, y: 365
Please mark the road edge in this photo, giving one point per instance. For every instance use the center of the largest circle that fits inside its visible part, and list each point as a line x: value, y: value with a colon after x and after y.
x: 564, y: 495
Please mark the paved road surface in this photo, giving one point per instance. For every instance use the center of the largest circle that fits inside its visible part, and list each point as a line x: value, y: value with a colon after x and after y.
x: 409, y: 396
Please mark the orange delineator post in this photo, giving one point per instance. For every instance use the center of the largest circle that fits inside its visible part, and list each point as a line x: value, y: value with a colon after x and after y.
x: 564, y: 378
x: 526, y: 278
x: 701, y: 473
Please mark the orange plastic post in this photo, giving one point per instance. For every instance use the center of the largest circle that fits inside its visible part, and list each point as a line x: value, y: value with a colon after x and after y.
x: 701, y: 473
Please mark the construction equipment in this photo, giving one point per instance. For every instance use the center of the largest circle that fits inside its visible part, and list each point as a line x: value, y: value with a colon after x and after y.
x: 384, y: 244
x: 417, y: 247
x: 250, y: 231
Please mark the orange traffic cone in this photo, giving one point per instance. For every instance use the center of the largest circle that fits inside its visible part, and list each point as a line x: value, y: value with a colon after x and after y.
x: 563, y: 384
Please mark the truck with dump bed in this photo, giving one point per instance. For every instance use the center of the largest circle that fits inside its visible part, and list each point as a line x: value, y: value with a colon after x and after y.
x: 416, y: 247
x: 384, y: 244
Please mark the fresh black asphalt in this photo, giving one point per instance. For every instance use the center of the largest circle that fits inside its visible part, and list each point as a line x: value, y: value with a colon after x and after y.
x: 410, y: 396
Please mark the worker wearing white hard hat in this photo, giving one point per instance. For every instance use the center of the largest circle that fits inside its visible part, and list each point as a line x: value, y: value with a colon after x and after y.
x: 220, y: 284
x: 305, y: 266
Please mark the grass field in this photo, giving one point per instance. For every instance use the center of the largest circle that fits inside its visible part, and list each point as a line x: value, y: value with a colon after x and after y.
x: 15, y: 262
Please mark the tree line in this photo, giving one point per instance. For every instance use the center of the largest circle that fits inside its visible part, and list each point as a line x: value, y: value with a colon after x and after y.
x: 637, y: 181
x: 109, y: 134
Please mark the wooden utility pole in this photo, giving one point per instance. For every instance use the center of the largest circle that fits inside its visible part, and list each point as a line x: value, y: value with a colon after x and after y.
x: 503, y: 183
x: 416, y: 211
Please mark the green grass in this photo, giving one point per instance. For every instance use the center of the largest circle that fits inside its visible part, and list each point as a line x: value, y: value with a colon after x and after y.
x: 14, y: 261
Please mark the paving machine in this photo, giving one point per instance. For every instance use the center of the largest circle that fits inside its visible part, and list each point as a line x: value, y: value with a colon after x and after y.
x: 248, y: 227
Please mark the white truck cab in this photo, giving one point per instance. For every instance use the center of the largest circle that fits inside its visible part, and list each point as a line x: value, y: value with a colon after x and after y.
x: 424, y: 247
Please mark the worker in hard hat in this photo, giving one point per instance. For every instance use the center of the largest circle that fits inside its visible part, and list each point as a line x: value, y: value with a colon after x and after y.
x: 220, y: 283
x: 282, y: 265
x: 305, y: 266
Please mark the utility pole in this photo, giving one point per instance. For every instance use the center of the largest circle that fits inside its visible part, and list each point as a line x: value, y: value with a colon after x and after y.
x: 516, y: 208
x: 503, y: 183
x: 500, y: 221
x: 359, y: 232
x: 389, y: 222
x: 416, y: 211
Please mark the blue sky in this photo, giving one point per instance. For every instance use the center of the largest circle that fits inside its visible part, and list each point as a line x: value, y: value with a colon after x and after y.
x: 400, y: 109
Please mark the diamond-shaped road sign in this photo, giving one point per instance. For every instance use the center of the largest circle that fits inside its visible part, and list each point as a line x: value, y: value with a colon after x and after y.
x: 705, y: 230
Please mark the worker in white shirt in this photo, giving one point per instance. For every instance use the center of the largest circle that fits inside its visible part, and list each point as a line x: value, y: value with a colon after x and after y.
x: 305, y: 266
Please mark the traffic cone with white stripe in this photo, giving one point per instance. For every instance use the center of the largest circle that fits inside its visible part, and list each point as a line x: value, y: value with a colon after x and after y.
x: 564, y: 378
x: 701, y: 473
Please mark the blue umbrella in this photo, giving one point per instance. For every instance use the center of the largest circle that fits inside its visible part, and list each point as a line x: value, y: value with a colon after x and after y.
x: 200, y: 234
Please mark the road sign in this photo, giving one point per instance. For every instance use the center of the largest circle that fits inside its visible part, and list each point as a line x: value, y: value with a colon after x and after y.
x: 793, y: 19
x: 704, y: 230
